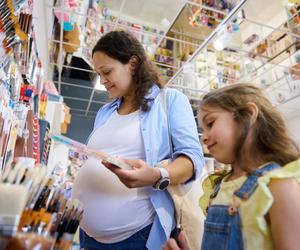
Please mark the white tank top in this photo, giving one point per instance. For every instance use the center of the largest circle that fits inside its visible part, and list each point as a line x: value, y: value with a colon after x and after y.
x: 113, y: 212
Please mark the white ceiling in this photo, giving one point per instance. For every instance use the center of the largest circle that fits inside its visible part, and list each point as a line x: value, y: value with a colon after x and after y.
x: 263, y: 10
x: 147, y: 12
x: 291, y: 109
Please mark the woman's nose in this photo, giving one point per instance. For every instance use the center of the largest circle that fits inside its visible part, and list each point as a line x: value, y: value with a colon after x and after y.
x: 103, y: 80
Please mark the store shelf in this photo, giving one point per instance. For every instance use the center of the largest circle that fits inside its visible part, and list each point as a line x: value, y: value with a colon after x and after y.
x: 241, y: 61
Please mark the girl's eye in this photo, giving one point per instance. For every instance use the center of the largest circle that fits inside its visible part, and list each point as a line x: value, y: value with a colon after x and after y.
x: 210, y: 124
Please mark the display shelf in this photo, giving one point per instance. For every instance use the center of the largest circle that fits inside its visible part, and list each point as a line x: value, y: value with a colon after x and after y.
x: 277, y: 46
x: 99, y: 21
x: 293, y: 15
x: 246, y: 56
x: 164, y: 58
x: 36, y: 202
x: 204, y: 17
x: 195, y: 22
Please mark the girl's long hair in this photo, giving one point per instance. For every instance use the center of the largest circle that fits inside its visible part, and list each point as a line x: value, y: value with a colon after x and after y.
x: 271, y: 141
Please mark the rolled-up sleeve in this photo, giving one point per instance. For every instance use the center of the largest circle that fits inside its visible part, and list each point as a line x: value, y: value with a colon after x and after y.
x: 184, y: 134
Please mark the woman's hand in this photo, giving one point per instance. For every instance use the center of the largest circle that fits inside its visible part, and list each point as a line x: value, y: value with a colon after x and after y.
x: 140, y: 175
x: 182, y: 243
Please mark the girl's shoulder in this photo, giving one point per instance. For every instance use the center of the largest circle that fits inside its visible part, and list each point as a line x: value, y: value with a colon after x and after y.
x: 280, y: 177
x: 209, y: 184
x: 263, y: 192
x: 290, y: 170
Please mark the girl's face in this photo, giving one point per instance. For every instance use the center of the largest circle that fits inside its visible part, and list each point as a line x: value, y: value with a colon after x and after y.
x: 115, y: 76
x: 219, y: 133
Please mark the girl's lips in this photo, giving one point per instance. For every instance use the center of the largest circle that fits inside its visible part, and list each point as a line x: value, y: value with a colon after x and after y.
x: 210, y: 146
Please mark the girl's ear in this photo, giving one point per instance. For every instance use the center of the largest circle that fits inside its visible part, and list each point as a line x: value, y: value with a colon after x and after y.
x: 253, y: 110
x: 133, y: 63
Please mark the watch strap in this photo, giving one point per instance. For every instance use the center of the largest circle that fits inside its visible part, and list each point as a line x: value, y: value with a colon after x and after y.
x: 164, y: 173
x: 163, y: 181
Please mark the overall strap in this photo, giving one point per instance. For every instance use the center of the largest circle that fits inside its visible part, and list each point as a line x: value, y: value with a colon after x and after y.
x: 217, y: 183
x: 250, y: 184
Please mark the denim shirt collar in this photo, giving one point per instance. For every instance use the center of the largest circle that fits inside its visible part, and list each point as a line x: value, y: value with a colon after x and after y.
x: 150, y: 96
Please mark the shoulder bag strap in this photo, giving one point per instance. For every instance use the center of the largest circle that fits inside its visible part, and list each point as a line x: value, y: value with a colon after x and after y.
x: 164, y: 102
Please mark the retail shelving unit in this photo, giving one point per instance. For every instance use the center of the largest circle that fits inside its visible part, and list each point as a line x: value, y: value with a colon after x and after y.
x: 97, y: 19
x: 261, y: 43
x: 263, y: 50
x: 255, y: 42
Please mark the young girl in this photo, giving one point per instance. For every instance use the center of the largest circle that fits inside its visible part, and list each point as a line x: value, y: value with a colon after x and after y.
x: 257, y: 204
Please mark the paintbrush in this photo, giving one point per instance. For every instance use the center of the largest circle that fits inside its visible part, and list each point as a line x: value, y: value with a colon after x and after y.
x: 81, y: 148
x: 12, y: 202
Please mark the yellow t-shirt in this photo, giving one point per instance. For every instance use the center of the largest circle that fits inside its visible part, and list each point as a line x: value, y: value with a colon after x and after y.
x: 256, y: 231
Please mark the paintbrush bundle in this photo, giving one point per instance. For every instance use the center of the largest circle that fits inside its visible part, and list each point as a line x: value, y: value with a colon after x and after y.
x: 25, y: 20
x: 35, y: 212
x: 8, y: 33
x: 10, y: 30
x: 90, y: 152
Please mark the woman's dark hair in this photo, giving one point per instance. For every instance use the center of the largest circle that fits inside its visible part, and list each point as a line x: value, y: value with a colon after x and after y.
x: 270, y: 141
x: 121, y: 46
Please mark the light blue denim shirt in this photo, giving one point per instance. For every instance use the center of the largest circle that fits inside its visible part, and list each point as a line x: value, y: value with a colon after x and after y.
x: 154, y: 129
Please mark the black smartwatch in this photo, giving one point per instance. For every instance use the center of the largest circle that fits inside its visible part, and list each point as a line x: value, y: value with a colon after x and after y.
x: 164, y: 180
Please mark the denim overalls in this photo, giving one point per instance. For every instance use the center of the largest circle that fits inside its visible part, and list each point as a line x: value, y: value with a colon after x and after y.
x: 222, y: 227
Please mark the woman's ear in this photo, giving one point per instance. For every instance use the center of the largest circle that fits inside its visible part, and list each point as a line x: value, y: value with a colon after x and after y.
x: 133, y: 63
x: 253, y: 110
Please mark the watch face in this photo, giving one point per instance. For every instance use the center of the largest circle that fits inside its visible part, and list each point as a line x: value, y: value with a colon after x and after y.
x: 164, y: 184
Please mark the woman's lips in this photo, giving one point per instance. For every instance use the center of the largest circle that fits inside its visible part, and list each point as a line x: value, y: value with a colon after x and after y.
x: 109, y: 88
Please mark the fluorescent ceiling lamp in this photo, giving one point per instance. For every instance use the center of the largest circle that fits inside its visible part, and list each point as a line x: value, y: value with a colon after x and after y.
x: 223, y: 38
x: 165, y: 23
x: 247, y: 61
x: 98, y: 85
x: 218, y: 45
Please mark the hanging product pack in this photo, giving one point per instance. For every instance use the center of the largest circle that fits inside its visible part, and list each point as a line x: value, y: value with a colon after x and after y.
x: 72, y: 37
x: 189, y: 216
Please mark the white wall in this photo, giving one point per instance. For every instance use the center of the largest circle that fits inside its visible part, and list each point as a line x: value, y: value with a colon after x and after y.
x: 294, y: 127
x: 43, y: 23
x: 55, y: 115
x: 59, y: 154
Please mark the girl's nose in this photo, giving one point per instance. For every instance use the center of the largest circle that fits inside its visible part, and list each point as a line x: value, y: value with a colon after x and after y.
x: 204, y: 138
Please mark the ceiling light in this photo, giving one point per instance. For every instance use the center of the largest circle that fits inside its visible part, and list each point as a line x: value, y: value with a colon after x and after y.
x: 247, y: 61
x: 165, y: 23
x: 218, y: 45
x: 98, y: 85
x: 223, y: 38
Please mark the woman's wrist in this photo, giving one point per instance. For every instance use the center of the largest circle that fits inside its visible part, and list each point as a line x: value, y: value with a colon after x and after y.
x: 156, y: 176
x: 164, y: 180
